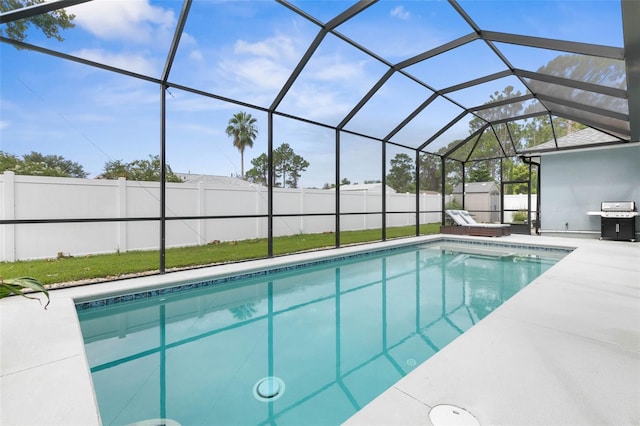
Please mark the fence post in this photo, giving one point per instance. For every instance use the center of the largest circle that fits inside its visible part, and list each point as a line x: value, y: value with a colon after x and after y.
x: 302, y: 206
x: 258, y: 210
x: 202, y: 224
x: 8, y: 212
x: 408, y: 216
x: 366, y: 209
x: 121, y: 201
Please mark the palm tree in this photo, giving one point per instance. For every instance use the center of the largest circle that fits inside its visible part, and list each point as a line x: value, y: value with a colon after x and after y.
x: 242, y: 127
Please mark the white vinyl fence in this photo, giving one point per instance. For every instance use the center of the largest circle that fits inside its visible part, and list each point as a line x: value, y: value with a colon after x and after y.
x: 518, y: 202
x: 35, y: 197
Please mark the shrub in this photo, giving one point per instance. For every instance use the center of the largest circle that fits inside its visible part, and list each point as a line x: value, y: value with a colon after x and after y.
x: 520, y: 216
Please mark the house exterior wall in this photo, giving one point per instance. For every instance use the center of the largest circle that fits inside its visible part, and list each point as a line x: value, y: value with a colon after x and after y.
x: 573, y: 183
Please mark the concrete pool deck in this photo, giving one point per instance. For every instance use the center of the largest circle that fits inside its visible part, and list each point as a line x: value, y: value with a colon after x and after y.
x: 564, y: 350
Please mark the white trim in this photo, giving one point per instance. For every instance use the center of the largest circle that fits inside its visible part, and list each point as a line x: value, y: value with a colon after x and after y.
x: 586, y: 148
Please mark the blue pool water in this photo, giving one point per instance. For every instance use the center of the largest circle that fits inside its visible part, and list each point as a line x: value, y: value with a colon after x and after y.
x: 327, y: 338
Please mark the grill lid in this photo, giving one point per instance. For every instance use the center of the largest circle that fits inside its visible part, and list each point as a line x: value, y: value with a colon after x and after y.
x: 618, y: 206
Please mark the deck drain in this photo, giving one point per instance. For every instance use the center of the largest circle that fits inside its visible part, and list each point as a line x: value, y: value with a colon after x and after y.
x: 450, y: 415
x: 268, y: 389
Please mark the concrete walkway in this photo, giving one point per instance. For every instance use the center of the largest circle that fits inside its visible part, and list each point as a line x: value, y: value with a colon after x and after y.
x: 565, y: 350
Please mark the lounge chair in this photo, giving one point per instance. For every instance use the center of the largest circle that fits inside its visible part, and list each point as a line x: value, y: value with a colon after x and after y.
x: 466, y: 225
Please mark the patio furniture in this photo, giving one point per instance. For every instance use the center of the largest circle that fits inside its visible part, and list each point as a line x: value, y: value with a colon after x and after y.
x: 466, y: 225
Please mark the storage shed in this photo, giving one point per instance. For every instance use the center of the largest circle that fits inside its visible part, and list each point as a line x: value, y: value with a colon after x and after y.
x: 481, y: 199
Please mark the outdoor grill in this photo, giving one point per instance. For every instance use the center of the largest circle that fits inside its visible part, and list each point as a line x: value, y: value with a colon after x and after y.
x: 617, y: 220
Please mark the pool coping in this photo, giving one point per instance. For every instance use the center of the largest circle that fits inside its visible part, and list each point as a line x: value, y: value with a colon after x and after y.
x: 90, y: 302
x: 57, y: 381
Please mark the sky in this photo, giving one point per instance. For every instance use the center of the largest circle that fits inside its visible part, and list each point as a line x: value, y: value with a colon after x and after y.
x: 245, y: 51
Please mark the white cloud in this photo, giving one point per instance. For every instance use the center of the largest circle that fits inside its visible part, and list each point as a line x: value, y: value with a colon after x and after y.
x: 196, y: 55
x: 321, y: 105
x: 187, y: 39
x: 189, y: 43
x: 261, y: 73
x: 334, y: 69
x: 123, y: 95
x: 264, y: 65
x: 254, y: 71
x: 127, y: 61
x: 279, y: 48
x: 257, y: 71
x: 400, y: 12
x: 3, y: 124
x: 133, y: 21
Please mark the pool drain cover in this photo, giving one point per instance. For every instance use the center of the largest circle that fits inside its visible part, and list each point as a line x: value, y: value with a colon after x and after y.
x: 268, y: 389
x: 450, y: 415
x: 155, y: 422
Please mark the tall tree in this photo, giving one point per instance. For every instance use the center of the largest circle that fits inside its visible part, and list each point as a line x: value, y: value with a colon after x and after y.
x: 481, y: 151
x: 288, y: 165
x: 37, y: 164
x: 259, y: 173
x: 480, y: 173
x: 520, y: 172
x: 494, y: 141
x: 430, y: 172
x: 8, y: 162
x: 49, y: 23
x: 401, y: 176
x: 139, y: 170
x: 344, y: 181
x: 287, y: 168
x: 243, y: 129
x: 588, y: 69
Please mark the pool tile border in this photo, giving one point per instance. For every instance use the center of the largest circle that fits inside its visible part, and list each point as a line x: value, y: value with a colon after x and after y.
x: 545, y: 248
x: 111, y: 300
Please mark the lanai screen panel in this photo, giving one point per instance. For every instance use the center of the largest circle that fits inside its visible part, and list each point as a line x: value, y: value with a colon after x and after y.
x: 492, y: 91
x: 396, y: 31
x: 383, y: 112
x: 249, y: 52
x: 132, y: 36
x: 437, y: 115
x: 220, y: 55
x: 468, y: 81
x: 572, y: 21
x: 332, y: 83
x: 456, y: 66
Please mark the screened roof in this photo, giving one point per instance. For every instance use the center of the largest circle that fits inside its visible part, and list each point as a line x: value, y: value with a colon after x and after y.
x: 449, y: 78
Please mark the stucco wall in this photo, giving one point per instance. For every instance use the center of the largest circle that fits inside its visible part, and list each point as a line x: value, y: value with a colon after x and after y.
x: 573, y: 183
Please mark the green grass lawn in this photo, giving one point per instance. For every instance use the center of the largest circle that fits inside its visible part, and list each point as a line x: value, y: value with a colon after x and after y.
x: 110, y: 266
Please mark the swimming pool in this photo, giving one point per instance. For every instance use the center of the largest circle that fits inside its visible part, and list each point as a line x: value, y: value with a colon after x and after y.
x: 328, y: 337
